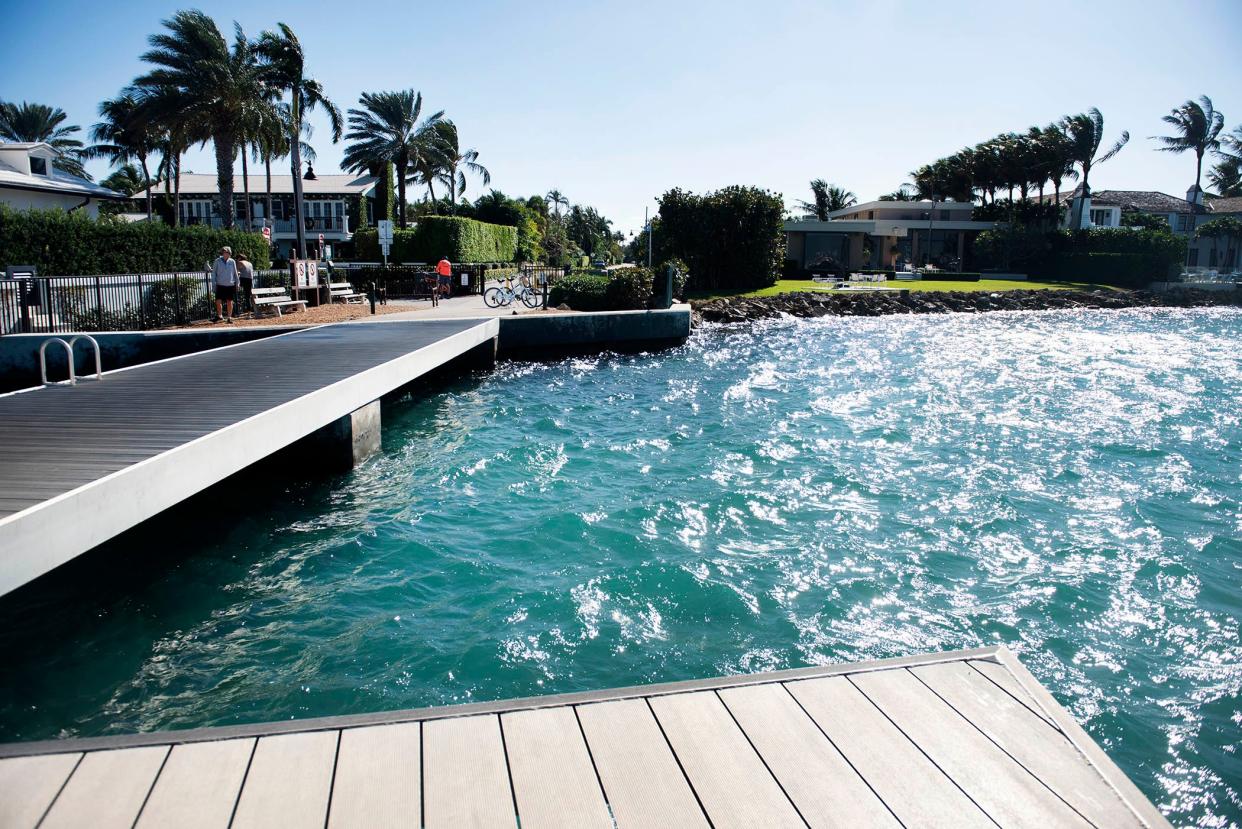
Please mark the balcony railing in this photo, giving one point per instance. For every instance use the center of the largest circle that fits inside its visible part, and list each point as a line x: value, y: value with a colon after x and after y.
x: 314, y: 224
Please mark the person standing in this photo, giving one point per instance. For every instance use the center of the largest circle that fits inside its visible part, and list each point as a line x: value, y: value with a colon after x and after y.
x: 444, y: 275
x: 245, y: 274
x: 224, y: 277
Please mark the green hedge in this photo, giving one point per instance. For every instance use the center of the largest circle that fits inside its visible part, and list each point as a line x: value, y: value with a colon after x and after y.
x: 732, y: 238
x: 461, y: 240
x: 1152, y: 255
x: 73, y: 244
x: 947, y: 276
x: 621, y: 290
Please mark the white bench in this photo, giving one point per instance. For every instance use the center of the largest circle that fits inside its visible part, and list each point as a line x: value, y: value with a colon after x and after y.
x: 275, y: 299
x: 344, y: 292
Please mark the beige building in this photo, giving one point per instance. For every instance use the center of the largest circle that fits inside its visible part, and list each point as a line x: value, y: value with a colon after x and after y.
x: 30, y: 180
x: 885, y: 234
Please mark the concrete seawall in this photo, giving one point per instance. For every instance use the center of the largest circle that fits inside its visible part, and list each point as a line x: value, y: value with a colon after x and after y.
x: 529, y: 336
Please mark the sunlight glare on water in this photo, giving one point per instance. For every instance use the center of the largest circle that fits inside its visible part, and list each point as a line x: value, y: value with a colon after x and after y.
x: 785, y: 494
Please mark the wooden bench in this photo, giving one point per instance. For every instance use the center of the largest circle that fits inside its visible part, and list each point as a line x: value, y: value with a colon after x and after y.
x: 276, y: 299
x: 344, y: 292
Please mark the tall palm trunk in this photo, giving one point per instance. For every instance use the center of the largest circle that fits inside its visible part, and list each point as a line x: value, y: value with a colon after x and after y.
x: 267, y: 164
x: 295, y: 163
x: 146, y: 176
x: 431, y: 191
x: 402, y: 164
x: 1086, y: 194
x: 226, y: 152
x: 177, y: 190
x: 246, y: 189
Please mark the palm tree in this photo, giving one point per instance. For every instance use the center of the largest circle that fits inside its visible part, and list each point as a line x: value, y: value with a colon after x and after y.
x: 1057, y: 146
x: 455, y: 162
x: 828, y: 198
x: 286, y: 70
x: 556, y: 198
x: 388, y: 129
x: 127, y: 180
x: 1198, y: 126
x: 124, y: 135
x: 206, y: 87
x: 1226, y: 177
x: 1085, y: 133
x: 271, y: 142
x: 32, y: 123
x: 903, y: 193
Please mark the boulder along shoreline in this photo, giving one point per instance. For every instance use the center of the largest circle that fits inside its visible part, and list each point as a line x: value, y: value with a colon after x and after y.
x: 879, y: 303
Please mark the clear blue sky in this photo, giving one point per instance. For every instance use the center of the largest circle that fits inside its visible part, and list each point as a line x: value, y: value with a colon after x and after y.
x: 614, y: 104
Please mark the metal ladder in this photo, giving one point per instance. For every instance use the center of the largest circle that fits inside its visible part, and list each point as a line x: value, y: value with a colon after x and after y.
x: 68, y: 346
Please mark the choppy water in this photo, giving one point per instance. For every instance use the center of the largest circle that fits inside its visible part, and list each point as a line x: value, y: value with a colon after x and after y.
x: 801, y: 492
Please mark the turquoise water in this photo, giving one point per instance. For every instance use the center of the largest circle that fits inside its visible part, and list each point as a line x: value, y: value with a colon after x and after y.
x: 793, y: 493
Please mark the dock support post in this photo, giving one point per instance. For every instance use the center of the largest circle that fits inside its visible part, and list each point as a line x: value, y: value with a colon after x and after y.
x: 345, y: 442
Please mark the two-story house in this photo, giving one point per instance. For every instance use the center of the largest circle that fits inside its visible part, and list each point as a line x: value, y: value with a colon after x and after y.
x: 886, y: 234
x: 30, y: 179
x: 330, y: 206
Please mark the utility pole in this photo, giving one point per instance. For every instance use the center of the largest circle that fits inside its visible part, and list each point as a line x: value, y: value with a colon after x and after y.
x: 650, y: 237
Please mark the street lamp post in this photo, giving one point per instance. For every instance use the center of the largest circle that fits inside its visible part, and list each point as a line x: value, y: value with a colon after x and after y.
x: 647, y: 223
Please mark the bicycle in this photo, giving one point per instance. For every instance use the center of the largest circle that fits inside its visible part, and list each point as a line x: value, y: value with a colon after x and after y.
x: 503, y: 295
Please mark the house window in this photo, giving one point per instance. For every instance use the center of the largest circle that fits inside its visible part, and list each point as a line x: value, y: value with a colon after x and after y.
x: 1194, y: 257
x: 1183, y: 222
x: 38, y: 166
x: 1101, y: 218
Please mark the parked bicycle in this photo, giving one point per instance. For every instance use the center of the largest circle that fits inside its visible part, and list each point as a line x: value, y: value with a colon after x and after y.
x: 505, y: 294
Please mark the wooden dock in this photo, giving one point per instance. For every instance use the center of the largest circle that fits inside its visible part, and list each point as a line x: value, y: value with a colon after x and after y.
x: 956, y: 740
x: 80, y: 464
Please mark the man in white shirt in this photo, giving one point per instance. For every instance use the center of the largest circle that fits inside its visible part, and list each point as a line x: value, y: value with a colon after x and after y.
x: 224, y: 277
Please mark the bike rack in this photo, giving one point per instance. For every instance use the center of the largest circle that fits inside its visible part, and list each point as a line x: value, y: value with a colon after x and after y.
x: 98, y: 360
x: 43, y: 363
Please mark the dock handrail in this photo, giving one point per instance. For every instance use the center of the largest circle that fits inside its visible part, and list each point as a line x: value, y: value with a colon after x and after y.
x: 43, y: 363
x: 98, y: 358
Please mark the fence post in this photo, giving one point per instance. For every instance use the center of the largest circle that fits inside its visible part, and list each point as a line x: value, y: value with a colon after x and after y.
x: 99, y: 302
x: 23, y: 300
x: 142, y: 306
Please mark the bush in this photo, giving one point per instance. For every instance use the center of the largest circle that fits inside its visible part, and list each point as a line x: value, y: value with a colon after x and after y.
x: 1155, y: 254
x: 73, y: 244
x: 732, y: 238
x: 624, y: 289
x: 580, y: 291
x: 949, y: 276
x: 462, y: 240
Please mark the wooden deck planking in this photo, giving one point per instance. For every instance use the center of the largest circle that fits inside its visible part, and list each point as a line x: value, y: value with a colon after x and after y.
x: 28, y: 785
x: 107, y: 789
x: 735, y: 787
x: 836, y: 746
x: 645, y: 786
x: 554, y: 781
x: 918, y: 792
x: 465, y: 774
x: 288, y: 782
x: 1029, y: 739
x: 198, y: 786
x: 1002, y: 678
x: 813, y: 772
x: 378, y: 779
x: 1005, y: 790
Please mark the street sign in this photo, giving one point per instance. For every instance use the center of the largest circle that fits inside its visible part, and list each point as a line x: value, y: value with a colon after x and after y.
x: 384, y: 226
x: 312, y: 273
x: 267, y: 233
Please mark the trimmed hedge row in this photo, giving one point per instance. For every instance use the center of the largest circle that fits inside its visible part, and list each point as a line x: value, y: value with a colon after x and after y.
x: 1151, y: 255
x: 947, y: 276
x: 732, y: 238
x: 458, y: 238
x: 624, y: 289
x: 1112, y: 268
x: 73, y: 244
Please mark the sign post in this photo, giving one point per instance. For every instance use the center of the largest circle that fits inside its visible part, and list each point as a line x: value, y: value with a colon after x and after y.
x: 320, y: 246
x: 384, y: 230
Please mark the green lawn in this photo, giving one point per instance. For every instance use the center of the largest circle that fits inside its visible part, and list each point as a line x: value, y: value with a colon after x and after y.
x: 787, y: 286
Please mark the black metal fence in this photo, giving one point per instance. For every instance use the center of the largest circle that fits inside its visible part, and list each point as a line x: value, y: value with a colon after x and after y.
x: 144, y: 301
x: 111, y: 302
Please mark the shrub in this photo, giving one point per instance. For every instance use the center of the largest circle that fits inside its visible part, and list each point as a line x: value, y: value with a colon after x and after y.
x: 624, y: 289
x: 580, y: 291
x: 73, y: 244
x: 1156, y: 253
x: 949, y: 276
x: 462, y: 240
x: 732, y: 238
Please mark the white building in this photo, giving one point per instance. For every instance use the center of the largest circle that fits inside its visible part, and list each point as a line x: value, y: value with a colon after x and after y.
x: 30, y: 179
x: 330, y: 205
x: 882, y: 234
